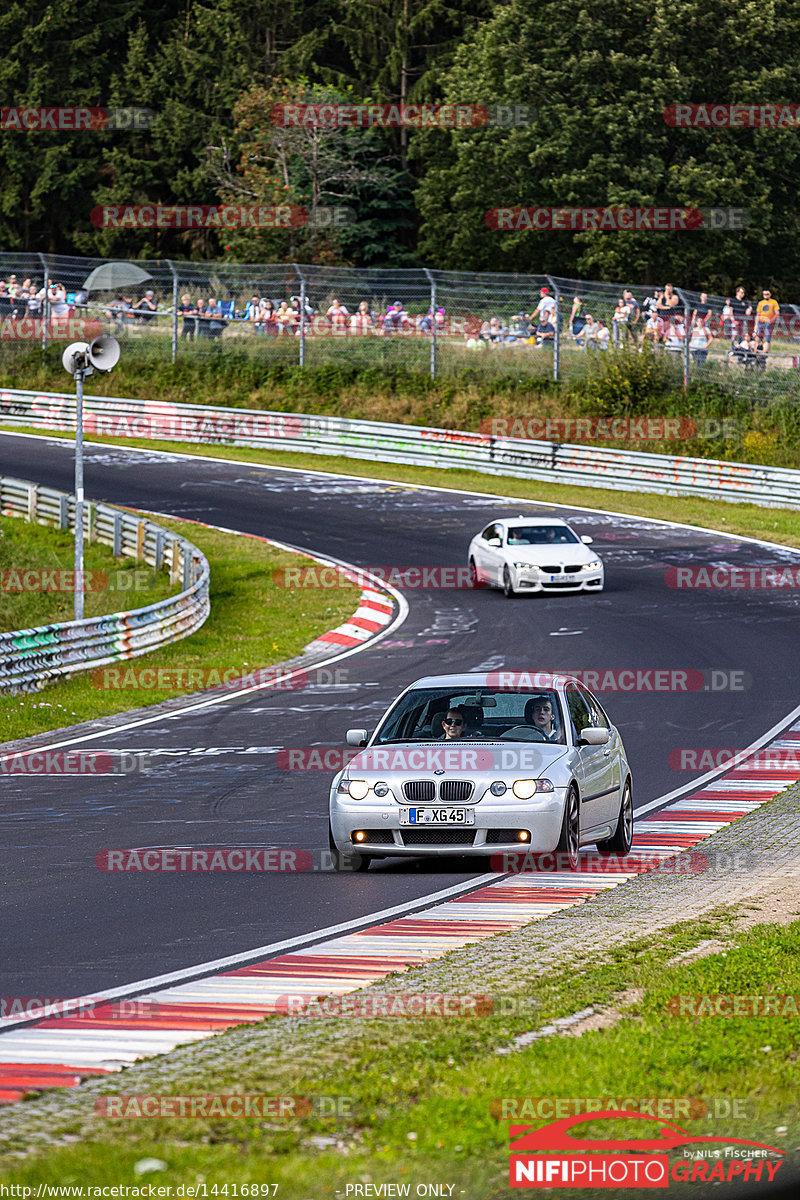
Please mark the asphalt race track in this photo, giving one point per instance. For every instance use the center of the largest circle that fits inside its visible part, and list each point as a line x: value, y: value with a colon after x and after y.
x: 66, y: 928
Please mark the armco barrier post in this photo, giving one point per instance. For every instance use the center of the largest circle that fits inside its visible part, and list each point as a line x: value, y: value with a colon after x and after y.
x: 432, y: 282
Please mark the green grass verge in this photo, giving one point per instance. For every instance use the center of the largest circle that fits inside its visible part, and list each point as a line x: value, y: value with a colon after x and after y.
x: 115, y: 584
x: 423, y: 1093
x: 252, y: 624
x: 749, y: 520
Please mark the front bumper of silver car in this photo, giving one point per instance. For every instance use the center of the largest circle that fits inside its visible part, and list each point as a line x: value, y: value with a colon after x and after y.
x: 497, y: 823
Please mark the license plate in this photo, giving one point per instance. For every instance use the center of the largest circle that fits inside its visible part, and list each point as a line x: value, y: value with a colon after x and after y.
x: 554, y: 578
x: 437, y: 816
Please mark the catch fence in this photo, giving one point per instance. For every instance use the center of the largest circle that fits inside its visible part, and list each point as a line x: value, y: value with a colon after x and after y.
x: 436, y: 322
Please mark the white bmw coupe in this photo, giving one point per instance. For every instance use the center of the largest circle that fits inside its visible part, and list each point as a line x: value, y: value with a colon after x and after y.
x: 534, y: 554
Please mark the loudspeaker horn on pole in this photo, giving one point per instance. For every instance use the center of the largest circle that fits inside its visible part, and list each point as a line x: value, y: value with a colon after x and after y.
x: 72, y: 356
x: 103, y: 352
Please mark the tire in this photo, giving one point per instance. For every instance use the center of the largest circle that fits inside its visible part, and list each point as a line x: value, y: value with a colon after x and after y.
x: 569, y: 842
x: 622, y: 839
x: 344, y: 860
x: 473, y: 574
x: 508, y: 586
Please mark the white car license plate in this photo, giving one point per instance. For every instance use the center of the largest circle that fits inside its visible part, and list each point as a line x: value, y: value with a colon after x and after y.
x: 554, y: 578
x: 437, y: 816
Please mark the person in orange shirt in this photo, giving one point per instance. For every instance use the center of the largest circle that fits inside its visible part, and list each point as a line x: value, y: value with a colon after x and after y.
x: 767, y: 313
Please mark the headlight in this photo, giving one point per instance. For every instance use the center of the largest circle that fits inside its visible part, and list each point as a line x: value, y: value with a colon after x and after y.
x: 592, y: 566
x: 498, y: 788
x: 381, y: 789
x: 358, y: 789
x: 523, y: 566
x: 523, y: 789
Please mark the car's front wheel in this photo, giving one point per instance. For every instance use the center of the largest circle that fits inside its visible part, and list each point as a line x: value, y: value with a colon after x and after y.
x: 570, y: 840
x: 508, y: 584
x: 622, y: 839
x: 346, y: 860
x: 474, y: 577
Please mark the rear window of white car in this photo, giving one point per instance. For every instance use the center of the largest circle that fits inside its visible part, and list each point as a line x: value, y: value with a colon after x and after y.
x: 540, y: 535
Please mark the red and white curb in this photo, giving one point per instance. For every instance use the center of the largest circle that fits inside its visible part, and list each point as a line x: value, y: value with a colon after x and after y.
x: 60, y: 1052
x: 373, y: 614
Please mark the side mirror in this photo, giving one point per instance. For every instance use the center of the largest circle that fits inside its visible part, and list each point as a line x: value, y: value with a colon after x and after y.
x: 594, y: 737
x: 494, y: 542
x: 357, y: 737
x: 587, y: 541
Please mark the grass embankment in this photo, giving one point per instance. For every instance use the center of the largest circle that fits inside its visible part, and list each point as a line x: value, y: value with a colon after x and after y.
x: 762, y: 410
x: 44, y: 597
x: 425, y: 1093
x: 253, y: 624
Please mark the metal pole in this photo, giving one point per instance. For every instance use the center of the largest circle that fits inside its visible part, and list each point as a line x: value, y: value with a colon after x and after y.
x: 79, y: 494
x: 557, y: 336
x: 302, y: 315
x: 45, y: 302
x: 432, y: 282
x: 686, y: 340
x: 174, y: 310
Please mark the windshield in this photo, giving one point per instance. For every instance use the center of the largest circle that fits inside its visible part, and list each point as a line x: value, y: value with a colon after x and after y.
x: 540, y: 535
x: 448, y: 714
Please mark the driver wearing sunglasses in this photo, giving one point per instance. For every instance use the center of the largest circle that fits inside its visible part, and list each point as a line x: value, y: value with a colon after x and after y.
x: 453, y: 724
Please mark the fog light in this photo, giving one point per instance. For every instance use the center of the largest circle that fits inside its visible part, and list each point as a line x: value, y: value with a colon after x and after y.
x: 498, y: 788
x: 358, y: 835
x: 523, y: 835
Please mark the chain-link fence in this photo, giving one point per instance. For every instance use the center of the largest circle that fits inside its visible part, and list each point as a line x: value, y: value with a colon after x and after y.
x: 437, y: 322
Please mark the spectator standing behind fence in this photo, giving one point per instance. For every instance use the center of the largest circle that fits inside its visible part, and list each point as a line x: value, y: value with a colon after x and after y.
x: 601, y: 336
x: 727, y: 324
x: 586, y: 337
x: 189, y: 312
x: 57, y: 297
x: 703, y: 311
x: 619, y: 320
x: 742, y: 309
x: 701, y: 339
x: 767, y: 313
x: 634, y: 315
x: 546, y: 306
x: 666, y: 306
x: 577, y: 318
x: 650, y: 305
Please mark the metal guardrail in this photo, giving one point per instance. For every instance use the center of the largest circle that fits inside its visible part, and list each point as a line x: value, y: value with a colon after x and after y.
x: 552, y: 462
x: 31, y: 658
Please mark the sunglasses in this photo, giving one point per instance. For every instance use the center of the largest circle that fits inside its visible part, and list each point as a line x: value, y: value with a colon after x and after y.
x: 453, y: 721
